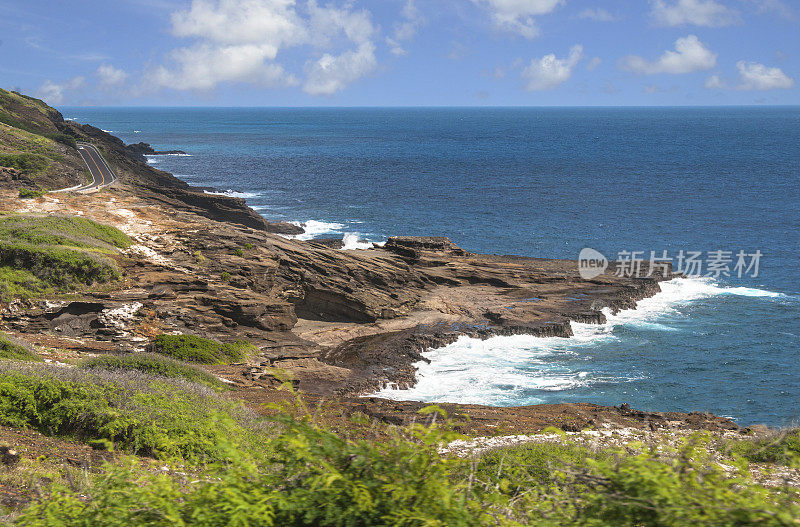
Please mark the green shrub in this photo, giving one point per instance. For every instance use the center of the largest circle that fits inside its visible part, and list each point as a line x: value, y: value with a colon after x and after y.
x: 225, y: 276
x: 59, y: 251
x: 71, y: 231
x: 192, y: 348
x: 782, y: 447
x: 14, y: 351
x: 688, y: 488
x: 153, y: 364
x: 64, y: 139
x: 239, y: 252
x: 29, y: 163
x: 532, y: 462
x: 140, y: 413
x: 27, y: 193
x: 22, y: 284
x: 58, y: 266
x: 310, y: 476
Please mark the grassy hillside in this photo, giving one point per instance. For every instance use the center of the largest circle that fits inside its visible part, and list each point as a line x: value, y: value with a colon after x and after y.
x: 34, y: 143
x: 46, y: 254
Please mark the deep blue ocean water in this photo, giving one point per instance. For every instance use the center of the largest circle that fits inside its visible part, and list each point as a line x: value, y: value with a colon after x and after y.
x: 545, y: 182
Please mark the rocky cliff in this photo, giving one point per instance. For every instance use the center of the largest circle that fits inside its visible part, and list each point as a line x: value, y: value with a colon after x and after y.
x: 339, y: 323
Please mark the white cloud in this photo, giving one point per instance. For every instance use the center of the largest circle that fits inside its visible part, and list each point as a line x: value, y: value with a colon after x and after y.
x: 755, y: 76
x: 241, y: 40
x: 776, y: 6
x: 690, y: 55
x: 271, y: 23
x: 110, y: 76
x: 405, y: 30
x: 598, y: 14
x: 517, y: 16
x: 204, y: 66
x: 714, y: 82
x: 549, y: 72
x: 331, y: 73
x: 594, y: 63
x: 695, y: 12
x: 53, y: 93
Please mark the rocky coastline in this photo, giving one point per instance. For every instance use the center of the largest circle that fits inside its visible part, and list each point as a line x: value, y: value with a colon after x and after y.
x: 339, y: 324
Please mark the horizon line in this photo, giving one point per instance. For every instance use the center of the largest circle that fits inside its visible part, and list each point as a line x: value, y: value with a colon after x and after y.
x: 797, y: 105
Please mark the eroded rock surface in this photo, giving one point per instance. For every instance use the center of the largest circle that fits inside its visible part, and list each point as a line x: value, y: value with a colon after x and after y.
x: 338, y: 323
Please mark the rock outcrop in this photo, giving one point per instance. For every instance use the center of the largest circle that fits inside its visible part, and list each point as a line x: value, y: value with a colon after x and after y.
x: 144, y: 149
x: 338, y: 323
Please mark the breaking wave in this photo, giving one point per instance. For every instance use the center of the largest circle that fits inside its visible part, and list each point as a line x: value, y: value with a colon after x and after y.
x: 234, y: 194
x: 520, y: 369
x: 352, y: 241
x: 314, y: 228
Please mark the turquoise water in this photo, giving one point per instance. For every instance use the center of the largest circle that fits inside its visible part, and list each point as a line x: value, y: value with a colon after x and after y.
x: 545, y: 182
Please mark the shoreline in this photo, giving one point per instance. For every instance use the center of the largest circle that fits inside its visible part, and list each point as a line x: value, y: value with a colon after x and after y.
x: 339, y: 323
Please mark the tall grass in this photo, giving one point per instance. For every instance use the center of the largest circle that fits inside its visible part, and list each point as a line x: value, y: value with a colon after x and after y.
x: 154, y: 364
x: 192, y: 348
x: 60, y: 252
x: 143, y: 414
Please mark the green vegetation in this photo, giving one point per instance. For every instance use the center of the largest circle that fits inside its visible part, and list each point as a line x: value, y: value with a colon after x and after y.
x: 41, y: 254
x: 153, y: 364
x: 27, y: 193
x: 20, y: 283
x: 225, y: 276
x: 192, y: 348
x: 69, y: 231
x: 31, y: 115
x: 239, y: 252
x: 308, y: 475
x: 781, y: 447
x: 140, y: 413
x: 9, y: 349
x: 30, y: 163
x: 232, y: 468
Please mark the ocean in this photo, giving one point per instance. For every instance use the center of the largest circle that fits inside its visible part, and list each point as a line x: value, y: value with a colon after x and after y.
x: 545, y: 182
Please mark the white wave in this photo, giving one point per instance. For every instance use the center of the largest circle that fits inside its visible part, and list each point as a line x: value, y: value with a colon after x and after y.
x: 314, y: 228
x: 70, y: 119
x: 109, y: 131
x: 171, y: 155
x: 674, y: 294
x: 352, y: 241
x: 507, y: 370
x: 137, y: 131
x: 234, y: 194
x: 495, y: 371
x: 751, y: 291
x: 152, y: 160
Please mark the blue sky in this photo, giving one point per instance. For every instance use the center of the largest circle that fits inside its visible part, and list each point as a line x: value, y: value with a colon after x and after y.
x: 402, y: 52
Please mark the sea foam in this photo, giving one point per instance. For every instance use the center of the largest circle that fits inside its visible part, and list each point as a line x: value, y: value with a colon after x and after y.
x: 352, y: 241
x: 509, y: 370
x: 234, y: 194
x: 314, y: 228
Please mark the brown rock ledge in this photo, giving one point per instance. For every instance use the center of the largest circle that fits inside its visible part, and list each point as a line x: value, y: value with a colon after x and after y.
x: 339, y: 323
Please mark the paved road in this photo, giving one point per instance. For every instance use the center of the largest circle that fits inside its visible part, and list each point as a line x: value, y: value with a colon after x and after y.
x: 102, y: 175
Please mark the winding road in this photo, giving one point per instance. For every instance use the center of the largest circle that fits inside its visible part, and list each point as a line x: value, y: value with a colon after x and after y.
x: 102, y: 175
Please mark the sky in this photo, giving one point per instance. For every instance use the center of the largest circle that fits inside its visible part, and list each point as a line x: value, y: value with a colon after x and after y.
x: 402, y: 52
